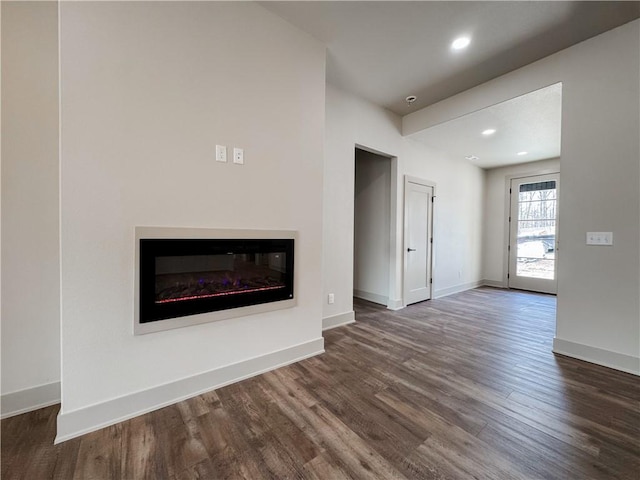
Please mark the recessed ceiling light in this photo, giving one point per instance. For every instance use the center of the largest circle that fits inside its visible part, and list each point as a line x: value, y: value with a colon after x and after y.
x: 472, y: 158
x: 410, y: 99
x: 522, y: 153
x: 460, y: 43
x: 489, y: 131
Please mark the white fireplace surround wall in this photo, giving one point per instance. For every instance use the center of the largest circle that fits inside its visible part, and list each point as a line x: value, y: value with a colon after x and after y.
x: 205, y: 233
x: 146, y: 160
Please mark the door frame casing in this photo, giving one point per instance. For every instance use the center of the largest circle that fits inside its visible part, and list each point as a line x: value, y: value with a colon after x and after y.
x: 507, y: 214
x: 430, y: 245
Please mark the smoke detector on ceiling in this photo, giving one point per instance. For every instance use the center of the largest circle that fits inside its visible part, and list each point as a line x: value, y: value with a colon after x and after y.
x: 410, y: 99
x: 472, y: 158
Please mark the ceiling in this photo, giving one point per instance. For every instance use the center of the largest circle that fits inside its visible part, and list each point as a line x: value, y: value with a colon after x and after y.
x: 384, y: 51
x: 530, y: 123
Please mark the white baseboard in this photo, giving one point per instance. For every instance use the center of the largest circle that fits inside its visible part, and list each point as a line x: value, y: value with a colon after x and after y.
x: 338, y: 320
x: 493, y: 283
x: 29, y: 399
x: 395, y: 304
x: 606, y: 358
x: 371, y: 297
x: 443, y: 292
x: 78, y: 422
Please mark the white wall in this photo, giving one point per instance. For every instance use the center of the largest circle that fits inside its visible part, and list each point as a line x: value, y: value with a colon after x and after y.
x: 349, y: 122
x: 372, y: 226
x: 148, y: 90
x: 30, y: 247
x: 458, y: 211
x: 598, y: 316
x: 457, y: 215
x: 496, y: 201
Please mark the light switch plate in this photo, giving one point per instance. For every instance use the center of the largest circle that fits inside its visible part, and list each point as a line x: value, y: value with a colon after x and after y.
x: 221, y: 153
x: 599, y: 238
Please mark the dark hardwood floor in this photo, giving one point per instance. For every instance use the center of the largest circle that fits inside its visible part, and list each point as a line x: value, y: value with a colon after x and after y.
x: 461, y: 387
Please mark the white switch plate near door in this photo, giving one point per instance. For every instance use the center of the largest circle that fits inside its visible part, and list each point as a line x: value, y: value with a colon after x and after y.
x: 599, y: 238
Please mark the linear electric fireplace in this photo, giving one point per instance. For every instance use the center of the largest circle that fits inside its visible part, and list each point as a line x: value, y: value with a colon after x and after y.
x: 179, y: 279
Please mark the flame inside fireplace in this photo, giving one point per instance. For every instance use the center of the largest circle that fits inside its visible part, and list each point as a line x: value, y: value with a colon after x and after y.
x: 245, y: 278
x: 220, y: 294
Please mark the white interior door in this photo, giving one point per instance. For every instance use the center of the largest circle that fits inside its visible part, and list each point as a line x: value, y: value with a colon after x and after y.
x: 418, y: 206
x: 533, y: 240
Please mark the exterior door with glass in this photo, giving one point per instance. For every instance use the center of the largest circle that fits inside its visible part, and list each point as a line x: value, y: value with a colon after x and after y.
x: 533, y: 241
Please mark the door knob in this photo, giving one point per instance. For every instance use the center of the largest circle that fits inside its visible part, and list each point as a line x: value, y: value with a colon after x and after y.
x: 411, y: 249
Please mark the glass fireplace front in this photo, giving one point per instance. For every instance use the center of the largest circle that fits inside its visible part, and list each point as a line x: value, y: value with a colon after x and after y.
x: 180, y: 277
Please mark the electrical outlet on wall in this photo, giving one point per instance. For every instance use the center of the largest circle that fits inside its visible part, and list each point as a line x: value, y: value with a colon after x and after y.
x: 331, y: 298
x: 238, y: 156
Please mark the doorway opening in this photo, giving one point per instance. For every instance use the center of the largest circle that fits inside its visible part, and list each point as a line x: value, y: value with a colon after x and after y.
x: 372, y: 226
